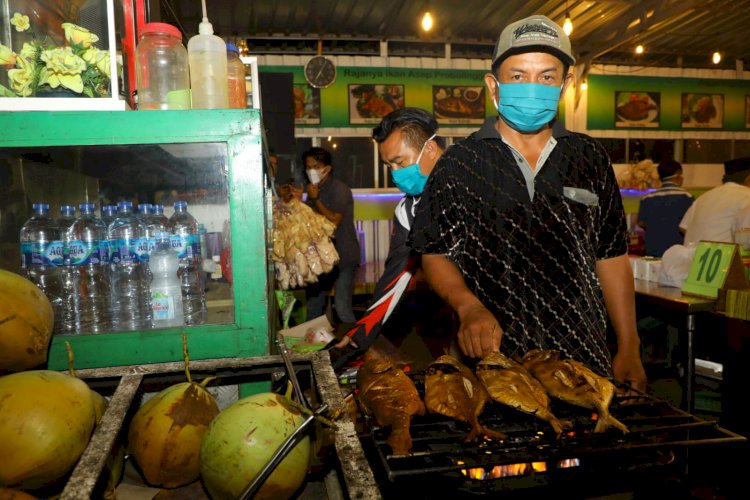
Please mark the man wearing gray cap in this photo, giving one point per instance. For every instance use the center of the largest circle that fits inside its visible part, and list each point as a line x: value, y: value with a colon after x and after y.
x: 521, y: 225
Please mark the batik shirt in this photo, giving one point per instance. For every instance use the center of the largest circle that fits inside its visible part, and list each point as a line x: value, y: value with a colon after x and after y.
x: 528, y: 251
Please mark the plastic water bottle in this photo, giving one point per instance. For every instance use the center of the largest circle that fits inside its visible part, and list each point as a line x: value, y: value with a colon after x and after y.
x: 42, y: 254
x: 67, y: 321
x: 166, y: 291
x: 109, y: 212
x: 186, y: 242
x: 130, y: 294
x: 89, y: 259
x: 207, y: 59
x: 159, y: 219
x: 67, y: 217
x: 147, y: 244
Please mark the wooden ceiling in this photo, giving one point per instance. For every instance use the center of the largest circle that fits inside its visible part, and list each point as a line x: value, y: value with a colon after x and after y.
x: 673, y: 32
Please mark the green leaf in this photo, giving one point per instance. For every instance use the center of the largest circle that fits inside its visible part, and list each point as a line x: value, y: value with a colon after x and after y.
x: 87, y: 90
x: 6, y: 92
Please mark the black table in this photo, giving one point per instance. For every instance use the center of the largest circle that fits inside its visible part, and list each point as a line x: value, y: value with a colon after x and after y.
x: 670, y: 305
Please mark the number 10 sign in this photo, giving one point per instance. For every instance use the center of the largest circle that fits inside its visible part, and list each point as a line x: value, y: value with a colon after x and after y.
x: 715, y: 266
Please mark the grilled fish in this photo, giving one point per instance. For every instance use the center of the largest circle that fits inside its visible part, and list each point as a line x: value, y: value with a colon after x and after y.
x: 573, y: 383
x: 451, y: 389
x: 392, y: 398
x: 509, y: 383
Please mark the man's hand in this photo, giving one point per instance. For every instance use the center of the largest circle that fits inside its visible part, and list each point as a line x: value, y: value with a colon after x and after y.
x: 479, y: 332
x: 628, y: 369
x: 313, y: 190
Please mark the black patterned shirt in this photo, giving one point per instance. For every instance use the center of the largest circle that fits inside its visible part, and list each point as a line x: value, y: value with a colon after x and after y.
x: 531, y: 260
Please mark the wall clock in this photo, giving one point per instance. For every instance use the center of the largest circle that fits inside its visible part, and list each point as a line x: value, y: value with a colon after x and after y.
x: 320, y: 72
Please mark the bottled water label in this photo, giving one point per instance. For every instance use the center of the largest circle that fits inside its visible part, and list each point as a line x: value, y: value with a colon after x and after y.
x: 144, y: 247
x: 83, y: 252
x: 162, y: 306
x: 34, y: 253
x: 123, y: 250
x: 187, y: 246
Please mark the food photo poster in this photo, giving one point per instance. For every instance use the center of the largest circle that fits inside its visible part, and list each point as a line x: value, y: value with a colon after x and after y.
x: 637, y: 109
x: 702, y: 111
x: 369, y: 103
x: 306, y: 104
x: 458, y: 104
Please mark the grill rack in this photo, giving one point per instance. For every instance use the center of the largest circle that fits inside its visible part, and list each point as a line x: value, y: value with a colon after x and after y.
x: 658, y: 432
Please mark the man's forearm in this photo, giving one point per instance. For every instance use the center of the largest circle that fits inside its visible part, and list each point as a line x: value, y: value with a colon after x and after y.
x: 446, y: 280
x: 616, y: 278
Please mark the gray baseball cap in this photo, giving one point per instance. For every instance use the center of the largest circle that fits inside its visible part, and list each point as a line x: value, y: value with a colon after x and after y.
x: 533, y: 34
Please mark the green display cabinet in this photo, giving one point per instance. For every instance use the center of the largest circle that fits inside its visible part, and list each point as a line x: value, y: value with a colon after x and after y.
x: 212, y: 158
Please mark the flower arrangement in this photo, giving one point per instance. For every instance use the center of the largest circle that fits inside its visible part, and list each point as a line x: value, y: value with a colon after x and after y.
x: 41, y: 67
x: 642, y: 175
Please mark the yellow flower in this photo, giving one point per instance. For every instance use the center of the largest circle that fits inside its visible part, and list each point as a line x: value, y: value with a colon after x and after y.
x: 20, y: 21
x: 62, y: 67
x: 7, y: 56
x: 21, y: 77
x: 28, y: 51
x: 98, y: 58
x: 78, y: 36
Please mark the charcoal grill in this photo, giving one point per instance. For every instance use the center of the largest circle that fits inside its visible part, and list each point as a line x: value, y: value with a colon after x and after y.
x: 659, y: 453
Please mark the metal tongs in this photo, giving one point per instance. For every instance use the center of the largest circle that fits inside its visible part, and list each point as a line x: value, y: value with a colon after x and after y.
x: 290, y: 442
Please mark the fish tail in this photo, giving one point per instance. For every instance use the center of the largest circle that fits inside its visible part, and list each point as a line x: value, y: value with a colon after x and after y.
x: 606, y: 421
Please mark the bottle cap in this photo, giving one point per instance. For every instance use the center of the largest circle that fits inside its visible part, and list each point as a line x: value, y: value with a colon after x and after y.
x: 87, y: 207
x: 205, y: 27
x: 232, y: 48
x: 161, y: 28
x: 180, y: 204
x: 40, y: 207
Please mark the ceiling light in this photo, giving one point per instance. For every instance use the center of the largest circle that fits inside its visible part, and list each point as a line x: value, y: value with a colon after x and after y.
x: 568, y: 24
x: 427, y: 21
x: 639, y: 49
x: 716, y: 58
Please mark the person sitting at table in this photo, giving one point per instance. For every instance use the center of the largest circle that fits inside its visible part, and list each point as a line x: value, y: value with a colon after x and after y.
x: 719, y: 212
x: 660, y: 212
x: 407, y: 144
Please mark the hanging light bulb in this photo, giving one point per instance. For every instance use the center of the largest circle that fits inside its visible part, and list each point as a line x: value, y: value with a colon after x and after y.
x: 639, y: 49
x: 716, y: 58
x: 568, y: 24
x: 427, y: 21
x: 584, y: 85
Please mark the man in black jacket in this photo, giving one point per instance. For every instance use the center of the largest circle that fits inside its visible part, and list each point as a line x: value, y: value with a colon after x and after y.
x: 406, y: 141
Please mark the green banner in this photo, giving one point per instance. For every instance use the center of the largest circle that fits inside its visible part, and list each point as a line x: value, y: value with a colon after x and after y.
x: 620, y: 102
x: 361, y: 96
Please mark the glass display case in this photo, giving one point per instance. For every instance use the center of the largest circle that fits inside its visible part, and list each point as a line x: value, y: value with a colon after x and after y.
x: 210, y: 159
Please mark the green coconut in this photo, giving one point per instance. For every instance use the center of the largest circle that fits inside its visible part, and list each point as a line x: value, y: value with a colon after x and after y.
x: 46, y: 421
x: 240, y: 442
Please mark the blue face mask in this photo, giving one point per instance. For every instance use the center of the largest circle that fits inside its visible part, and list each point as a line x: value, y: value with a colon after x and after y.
x: 527, y: 107
x: 409, y: 179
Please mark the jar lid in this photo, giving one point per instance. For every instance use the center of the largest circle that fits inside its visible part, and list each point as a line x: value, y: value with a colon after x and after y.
x: 232, y: 47
x: 161, y: 28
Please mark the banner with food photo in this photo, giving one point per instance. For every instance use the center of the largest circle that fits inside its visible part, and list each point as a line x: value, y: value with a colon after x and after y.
x: 369, y: 103
x: 702, y: 111
x: 458, y: 104
x: 637, y: 109
x: 306, y: 104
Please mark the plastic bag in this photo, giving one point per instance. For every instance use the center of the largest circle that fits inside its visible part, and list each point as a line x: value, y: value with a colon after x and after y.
x: 675, y: 265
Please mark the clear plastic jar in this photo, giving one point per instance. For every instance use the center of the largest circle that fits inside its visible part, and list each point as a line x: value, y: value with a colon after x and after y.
x: 236, y: 78
x: 163, y: 77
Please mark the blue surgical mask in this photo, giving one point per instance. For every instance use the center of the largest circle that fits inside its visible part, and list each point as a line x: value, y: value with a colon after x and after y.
x: 527, y: 107
x: 409, y: 179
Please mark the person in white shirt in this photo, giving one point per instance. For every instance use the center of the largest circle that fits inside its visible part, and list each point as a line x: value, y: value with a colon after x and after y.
x: 719, y: 212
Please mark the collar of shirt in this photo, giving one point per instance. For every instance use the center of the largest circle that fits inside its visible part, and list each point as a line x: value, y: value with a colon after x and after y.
x: 488, y: 131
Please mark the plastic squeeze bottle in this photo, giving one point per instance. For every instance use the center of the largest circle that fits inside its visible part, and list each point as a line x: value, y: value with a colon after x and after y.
x: 207, y: 58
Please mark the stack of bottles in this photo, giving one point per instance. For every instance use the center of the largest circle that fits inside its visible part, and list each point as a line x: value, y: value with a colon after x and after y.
x: 118, y: 272
x: 208, y: 74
